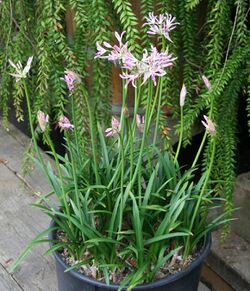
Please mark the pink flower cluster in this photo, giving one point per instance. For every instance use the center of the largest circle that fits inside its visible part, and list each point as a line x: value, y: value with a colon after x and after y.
x: 20, y: 72
x: 161, y: 25
x: 70, y: 78
x: 64, y: 123
x: 43, y: 120
x: 152, y: 64
x: 116, y: 53
x: 114, y: 129
x: 115, y: 125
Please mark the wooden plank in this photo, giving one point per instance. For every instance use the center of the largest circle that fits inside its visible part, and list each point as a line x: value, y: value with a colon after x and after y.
x: 70, y: 23
x: 203, y: 287
x: 7, y: 282
x: 19, y: 223
x: 13, y: 145
x: 212, y: 279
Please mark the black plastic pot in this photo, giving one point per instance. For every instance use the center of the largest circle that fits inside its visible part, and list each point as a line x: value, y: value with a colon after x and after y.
x: 185, y: 280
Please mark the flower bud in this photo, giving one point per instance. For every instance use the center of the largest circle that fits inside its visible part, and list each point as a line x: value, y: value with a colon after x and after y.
x: 206, y: 82
x: 42, y: 120
x: 209, y: 125
x: 183, y: 95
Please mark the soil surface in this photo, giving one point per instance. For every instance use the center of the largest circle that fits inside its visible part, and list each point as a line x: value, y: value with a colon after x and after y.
x: 173, y: 266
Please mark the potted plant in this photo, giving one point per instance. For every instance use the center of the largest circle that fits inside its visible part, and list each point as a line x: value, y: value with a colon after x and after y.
x: 124, y: 213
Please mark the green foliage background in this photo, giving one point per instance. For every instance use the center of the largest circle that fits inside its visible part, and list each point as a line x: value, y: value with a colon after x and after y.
x: 212, y: 39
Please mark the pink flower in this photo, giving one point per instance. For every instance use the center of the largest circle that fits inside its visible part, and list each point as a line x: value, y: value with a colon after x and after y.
x: 154, y: 65
x: 129, y: 61
x: 206, y: 82
x: 43, y: 120
x: 70, y: 78
x: 65, y: 123
x: 161, y: 25
x: 151, y: 19
x: 116, y: 53
x: 100, y: 51
x: 130, y: 78
x: 20, y: 72
x: 151, y: 66
x: 140, y: 121
x: 183, y: 95
x: 113, y: 130
x: 209, y: 125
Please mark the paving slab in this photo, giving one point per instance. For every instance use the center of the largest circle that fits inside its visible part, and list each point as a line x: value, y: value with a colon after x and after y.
x: 231, y: 261
x: 7, y: 282
x: 13, y: 146
x: 242, y: 201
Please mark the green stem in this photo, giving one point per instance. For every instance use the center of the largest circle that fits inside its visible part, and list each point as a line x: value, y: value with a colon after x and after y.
x: 145, y: 134
x: 51, y: 145
x: 199, y: 150
x: 158, y: 111
x: 187, y: 245
x: 122, y: 191
x: 32, y: 128
x: 180, y: 138
x: 38, y: 150
x: 204, y: 137
x: 75, y: 124
x: 93, y: 141
x: 77, y: 200
x: 132, y: 132
x: 159, y: 85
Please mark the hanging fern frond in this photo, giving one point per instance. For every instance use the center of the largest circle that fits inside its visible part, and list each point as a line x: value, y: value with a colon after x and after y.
x: 146, y: 7
x: 248, y: 93
x: 191, y: 4
x: 227, y: 122
x: 189, y: 57
x: 219, y: 83
x: 129, y: 23
x: 218, y: 29
x: 241, y: 30
x: 101, y: 70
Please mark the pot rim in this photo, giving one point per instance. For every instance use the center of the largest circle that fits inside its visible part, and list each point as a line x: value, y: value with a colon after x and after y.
x: 157, y: 283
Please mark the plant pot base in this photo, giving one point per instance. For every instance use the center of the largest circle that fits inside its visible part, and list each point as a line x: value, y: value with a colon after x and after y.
x: 185, y: 280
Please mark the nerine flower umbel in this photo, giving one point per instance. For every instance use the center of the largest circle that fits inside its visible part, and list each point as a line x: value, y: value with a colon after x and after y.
x: 116, y: 53
x: 151, y: 65
x: 70, y: 78
x: 113, y: 130
x: 64, y: 123
x: 161, y: 25
x: 20, y: 72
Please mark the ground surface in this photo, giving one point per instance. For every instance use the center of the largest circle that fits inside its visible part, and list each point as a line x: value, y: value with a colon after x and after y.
x: 19, y: 223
